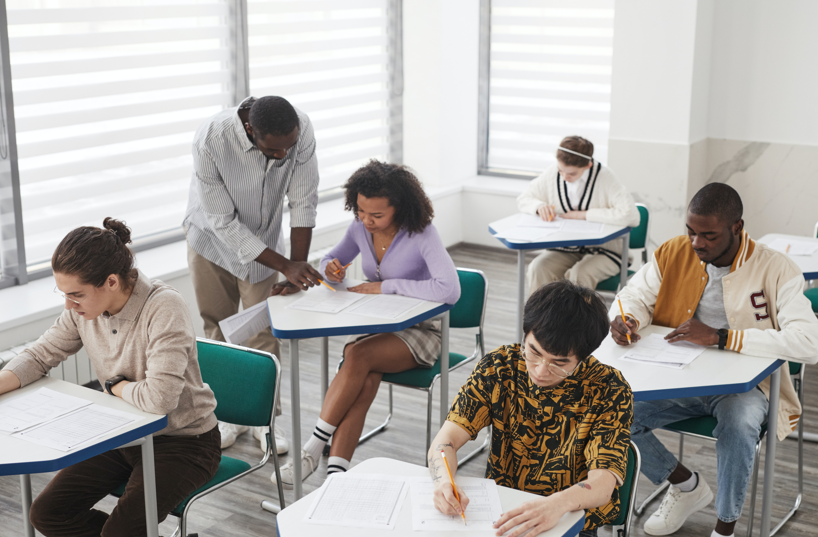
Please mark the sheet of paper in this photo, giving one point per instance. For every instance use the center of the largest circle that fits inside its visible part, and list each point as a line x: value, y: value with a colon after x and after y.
x: 580, y: 226
x: 484, y: 506
x: 245, y: 324
x: 385, y: 306
x: 533, y: 220
x: 796, y: 247
x: 72, y: 430
x: 359, y: 501
x: 525, y: 234
x: 322, y: 300
x: 653, y: 349
x: 35, y: 408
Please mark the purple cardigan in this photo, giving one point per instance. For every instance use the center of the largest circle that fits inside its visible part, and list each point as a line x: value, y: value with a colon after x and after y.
x: 417, y: 266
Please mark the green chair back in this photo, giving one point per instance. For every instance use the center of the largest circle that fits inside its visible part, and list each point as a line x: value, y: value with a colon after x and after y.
x: 812, y: 295
x: 227, y: 370
x: 468, y: 311
x: 639, y: 234
x: 631, y: 475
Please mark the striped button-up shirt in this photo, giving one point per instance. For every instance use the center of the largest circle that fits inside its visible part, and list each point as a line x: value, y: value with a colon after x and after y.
x: 237, y: 194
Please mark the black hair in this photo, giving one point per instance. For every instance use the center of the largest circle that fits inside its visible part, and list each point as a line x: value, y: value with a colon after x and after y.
x: 720, y: 200
x: 566, y: 319
x: 273, y: 115
x: 92, y: 254
x: 413, y: 210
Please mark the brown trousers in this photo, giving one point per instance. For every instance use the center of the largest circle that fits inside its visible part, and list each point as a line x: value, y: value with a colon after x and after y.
x: 65, y: 507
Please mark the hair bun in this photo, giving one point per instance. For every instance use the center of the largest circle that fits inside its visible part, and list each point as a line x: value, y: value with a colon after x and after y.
x: 119, y: 228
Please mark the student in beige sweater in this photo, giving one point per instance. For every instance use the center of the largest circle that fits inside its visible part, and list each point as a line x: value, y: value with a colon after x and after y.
x: 578, y: 188
x: 137, y: 332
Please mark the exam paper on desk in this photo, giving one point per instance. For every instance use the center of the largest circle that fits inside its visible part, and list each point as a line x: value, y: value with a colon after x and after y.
x: 655, y: 350
x: 240, y: 327
x: 483, y: 509
x: 385, y: 306
x: 72, y: 430
x: 31, y: 409
x: 322, y: 300
x: 524, y: 234
x: 795, y: 247
x: 359, y: 501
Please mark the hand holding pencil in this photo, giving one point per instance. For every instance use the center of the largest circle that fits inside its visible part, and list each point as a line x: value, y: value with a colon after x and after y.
x: 335, y: 271
x: 623, y: 329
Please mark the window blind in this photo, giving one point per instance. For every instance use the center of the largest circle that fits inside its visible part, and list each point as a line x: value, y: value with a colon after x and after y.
x: 549, y: 77
x: 107, y: 96
x: 330, y: 60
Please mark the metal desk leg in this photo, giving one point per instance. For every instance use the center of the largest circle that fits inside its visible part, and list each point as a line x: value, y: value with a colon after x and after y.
x: 520, y: 293
x: 623, y: 275
x: 324, y: 367
x: 149, y: 478
x: 295, y: 401
x: 769, y: 458
x: 444, y: 368
x: 25, y: 490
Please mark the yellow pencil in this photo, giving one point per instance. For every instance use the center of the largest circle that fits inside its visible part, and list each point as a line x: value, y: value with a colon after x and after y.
x: 551, y: 217
x: 456, y: 495
x: 623, y: 319
x: 327, y: 286
x: 787, y: 250
x: 345, y: 266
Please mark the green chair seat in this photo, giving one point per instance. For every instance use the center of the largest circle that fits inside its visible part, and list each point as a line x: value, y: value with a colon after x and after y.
x: 612, y: 283
x: 812, y: 295
x: 703, y: 426
x: 421, y: 377
x: 228, y: 468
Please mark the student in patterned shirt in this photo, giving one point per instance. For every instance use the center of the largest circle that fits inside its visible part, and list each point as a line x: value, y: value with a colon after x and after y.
x: 561, y: 419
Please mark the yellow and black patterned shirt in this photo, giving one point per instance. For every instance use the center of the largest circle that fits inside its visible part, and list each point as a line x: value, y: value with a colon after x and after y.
x: 545, y: 440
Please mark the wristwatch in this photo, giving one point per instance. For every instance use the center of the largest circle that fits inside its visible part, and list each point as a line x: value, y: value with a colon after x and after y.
x: 113, y: 381
x: 722, y: 332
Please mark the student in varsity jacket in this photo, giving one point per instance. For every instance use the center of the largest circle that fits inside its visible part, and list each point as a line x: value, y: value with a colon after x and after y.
x: 716, y: 286
x: 578, y: 188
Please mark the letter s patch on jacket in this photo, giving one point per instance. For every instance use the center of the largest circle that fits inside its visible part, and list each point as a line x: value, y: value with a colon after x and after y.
x: 759, y: 302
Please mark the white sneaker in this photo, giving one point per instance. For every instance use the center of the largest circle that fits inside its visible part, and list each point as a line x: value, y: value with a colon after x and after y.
x: 677, y: 506
x: 282, y: 445
x: 230, y: 432
x: 308, y: 466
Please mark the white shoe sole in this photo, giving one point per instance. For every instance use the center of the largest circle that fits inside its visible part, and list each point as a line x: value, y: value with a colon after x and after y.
x: 704, y: 502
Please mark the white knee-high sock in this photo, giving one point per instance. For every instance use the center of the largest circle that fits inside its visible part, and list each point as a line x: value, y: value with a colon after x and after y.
x: 320, y: 436
x: 337, y: 464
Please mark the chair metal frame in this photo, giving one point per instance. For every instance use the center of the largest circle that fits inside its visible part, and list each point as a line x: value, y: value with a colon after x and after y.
x: 799, y: 388
x: 181, y: 528
x: 624, y: 530
x: 479, y: 351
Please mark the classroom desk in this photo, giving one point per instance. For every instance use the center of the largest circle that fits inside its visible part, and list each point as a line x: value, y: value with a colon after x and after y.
x: 24, y: 458
x: 807, y: 263
x: 295, y: 325
x: 714, y: 372
x: 559, y: 239
x: 290, y: 522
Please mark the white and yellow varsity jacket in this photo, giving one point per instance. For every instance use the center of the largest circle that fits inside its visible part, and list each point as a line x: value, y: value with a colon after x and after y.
x: 763, y: 299
x: 605, y: 199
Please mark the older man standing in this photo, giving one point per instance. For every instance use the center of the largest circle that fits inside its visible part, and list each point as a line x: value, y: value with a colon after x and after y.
x: 246, y: 160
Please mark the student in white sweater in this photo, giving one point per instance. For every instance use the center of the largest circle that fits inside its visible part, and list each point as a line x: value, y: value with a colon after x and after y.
x: 579, y: 188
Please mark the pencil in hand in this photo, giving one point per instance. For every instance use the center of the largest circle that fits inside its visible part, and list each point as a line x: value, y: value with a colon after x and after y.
x: 327, y: 286
x: 622, y: 312
x: 454, y: 487
x: 343, y: 268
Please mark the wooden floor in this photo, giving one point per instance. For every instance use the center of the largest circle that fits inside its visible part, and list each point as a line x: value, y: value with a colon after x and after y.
x: 235, y: 510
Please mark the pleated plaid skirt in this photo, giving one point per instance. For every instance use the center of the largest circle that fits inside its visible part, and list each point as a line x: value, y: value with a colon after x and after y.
x: 423, y: 340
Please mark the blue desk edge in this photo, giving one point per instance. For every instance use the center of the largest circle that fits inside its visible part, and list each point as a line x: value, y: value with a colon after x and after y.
x: 85, y: 453
x: 557, y: 244
x: 379, y: 328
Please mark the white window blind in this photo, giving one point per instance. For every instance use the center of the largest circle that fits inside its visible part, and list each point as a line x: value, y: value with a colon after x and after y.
x: 549, y: 77
x: 330, y: 60
x: 107, y: 95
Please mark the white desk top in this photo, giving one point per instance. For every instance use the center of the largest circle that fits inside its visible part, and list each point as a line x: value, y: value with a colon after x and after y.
x: 714, y: 372
x: 290, y: 523
x: 560, y: 238
x: 807, y: 263
x: 21, y: 457
x: 300, y: 324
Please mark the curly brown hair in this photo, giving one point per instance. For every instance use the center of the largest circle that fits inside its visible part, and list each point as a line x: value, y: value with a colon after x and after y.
x: 413, y: 210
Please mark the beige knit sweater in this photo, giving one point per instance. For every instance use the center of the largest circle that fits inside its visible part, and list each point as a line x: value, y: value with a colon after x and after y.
x: 151, y: 342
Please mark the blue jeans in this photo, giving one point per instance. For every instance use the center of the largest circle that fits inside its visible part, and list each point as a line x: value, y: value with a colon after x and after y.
x: 740, y: 418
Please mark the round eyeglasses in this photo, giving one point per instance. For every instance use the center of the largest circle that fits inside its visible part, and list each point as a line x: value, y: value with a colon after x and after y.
x: 66, y: 297
x: 552, y: 367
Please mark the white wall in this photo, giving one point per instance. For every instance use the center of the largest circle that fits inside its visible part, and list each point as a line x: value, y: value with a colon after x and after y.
x: 764, y: 84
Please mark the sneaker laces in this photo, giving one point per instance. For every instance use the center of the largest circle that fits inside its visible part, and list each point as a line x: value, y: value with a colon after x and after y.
x: 668, y: 502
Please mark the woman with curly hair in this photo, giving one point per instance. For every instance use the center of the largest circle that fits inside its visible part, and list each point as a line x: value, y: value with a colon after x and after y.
x: 401, y: 253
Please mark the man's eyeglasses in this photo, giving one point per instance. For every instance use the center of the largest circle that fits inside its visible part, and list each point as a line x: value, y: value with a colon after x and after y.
x: 554, y: 368
x: 66, y: 297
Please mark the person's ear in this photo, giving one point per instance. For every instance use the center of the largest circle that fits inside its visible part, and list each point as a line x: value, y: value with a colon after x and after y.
x: 738, y: 227
x: 248, y: 129
x: 112, y: 282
